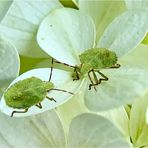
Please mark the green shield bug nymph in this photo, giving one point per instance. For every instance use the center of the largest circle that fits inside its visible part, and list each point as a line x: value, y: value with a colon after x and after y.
x: 29, y: 92
x: 92, y: 61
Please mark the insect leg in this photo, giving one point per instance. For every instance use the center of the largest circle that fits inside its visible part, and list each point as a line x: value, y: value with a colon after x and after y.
x: 75, y: 69
x: 77, y: 75
x: 64, y: 64
x: 62, y: 90
x: 19, y: 112
x: 51, y: 99
x: 51, y: 69
x: 39, y: 105
x: 105, y: 78
x: 115, y: 66
x: 92, y: 83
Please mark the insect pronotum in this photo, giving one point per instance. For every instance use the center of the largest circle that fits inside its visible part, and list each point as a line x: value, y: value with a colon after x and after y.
x: 29, y: 92
x: 92, y: 61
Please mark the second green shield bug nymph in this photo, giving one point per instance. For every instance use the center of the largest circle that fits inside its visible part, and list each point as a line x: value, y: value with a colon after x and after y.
x: 29, y: 92
x: 92, y: 61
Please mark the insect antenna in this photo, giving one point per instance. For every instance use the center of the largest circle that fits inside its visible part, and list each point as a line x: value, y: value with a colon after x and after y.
x: 51, y: 69
x: 62, y: 91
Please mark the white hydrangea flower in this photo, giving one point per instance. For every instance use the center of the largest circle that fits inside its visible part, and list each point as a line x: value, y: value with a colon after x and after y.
x: 47, y: 130
x: 60, y: 79
x: 9, y: 63
x: 20, y: 21
x: 66, y: 33
x: 131, y: 121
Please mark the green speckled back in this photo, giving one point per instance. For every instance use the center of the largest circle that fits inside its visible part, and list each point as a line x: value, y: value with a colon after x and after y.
x: 27, y: 92
x: 98, y: 58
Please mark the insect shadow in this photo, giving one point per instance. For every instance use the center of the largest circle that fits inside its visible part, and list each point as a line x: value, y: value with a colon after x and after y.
x: 29, y: 92
x: 92, y: 61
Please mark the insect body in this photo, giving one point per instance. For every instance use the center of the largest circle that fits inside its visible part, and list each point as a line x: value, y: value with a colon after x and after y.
x: 29, y: 92
x: 93, y: 60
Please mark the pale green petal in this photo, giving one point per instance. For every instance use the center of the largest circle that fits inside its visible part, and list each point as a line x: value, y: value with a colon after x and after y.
x: 139, y: 57
x: 4, y: 6
x: 9, y: 64
x: 124, y: 85
x: 102, y: 12
x: 134, y: 4
x: 61, y: 79
x: 71, y: 109
x: 44, y: 130
x: 138, y: 126
x: 90, y: 130
x: 125, y: 32
x: 21, y: 23
x: 119, y: 118
x: 65, y: 34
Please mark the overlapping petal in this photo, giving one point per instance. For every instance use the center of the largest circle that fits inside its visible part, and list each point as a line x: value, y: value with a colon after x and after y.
x: 65, y: 34
x: 140, y: 4
x: 4, y: 6
x: 138, y: 126
x: 21, y: 22
x: 9, y: 64
x: 44, y: 130
x: 139, y: 57
x: 61, y: 80
x: 119, y: 118
x: 125, y: 32
x: 102, y: 12
x: 88, y: 130
x: 124, y: 85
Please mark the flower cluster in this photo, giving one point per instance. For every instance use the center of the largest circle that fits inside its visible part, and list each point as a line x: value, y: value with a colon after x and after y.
x: 88, y: 60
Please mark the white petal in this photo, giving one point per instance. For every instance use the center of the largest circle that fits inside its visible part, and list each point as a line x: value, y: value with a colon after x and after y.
x: 119, y: 118
x: 4, y: 6
x: 139, y: 57
x: 89, y: 130
x: 9, y: 64
x: 65, y: 34
x: 124, y: 85
x: 102, y: 12
x: 125, y: 32
x: 140, y: 4
x: 44, y: 130
x: 72, y: 108
x: 138, y: 126
x: 21, y: 23
x: 61, y: 80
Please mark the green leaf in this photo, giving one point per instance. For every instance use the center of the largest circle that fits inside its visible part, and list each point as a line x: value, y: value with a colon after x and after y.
x: 9, y: 65
x: 145, y: 41
x: 90, y: 130
x: 21, y: 23
x: 69, y: 3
